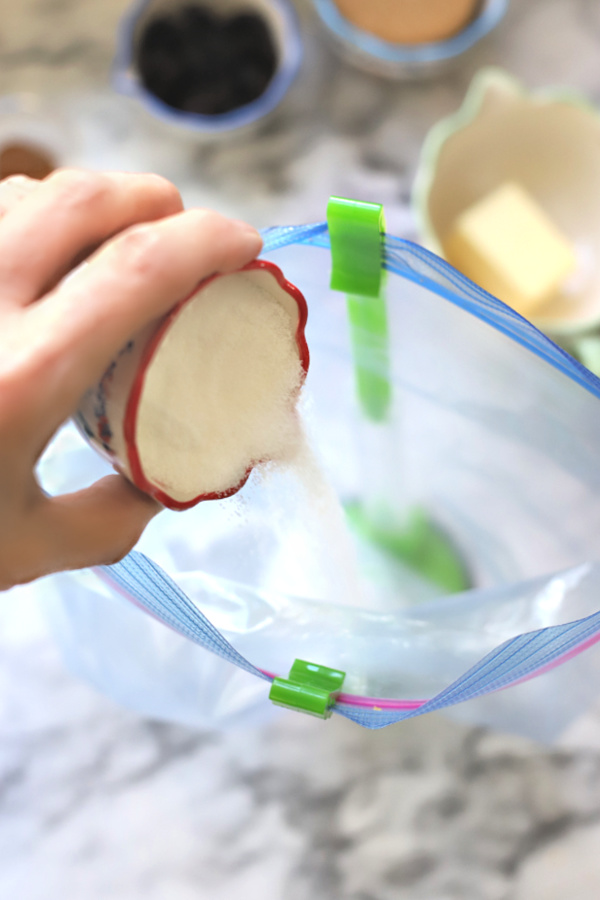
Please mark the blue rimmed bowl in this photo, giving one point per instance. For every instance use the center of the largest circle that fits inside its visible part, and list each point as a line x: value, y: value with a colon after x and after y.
x: 282, y: 22
x: 408, y: 61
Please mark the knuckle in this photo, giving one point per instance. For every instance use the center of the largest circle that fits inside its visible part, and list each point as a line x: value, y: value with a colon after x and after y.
x: 78, y: 189
x: 211, y: 227
x: 139, y: 250
x: 14, y: 189
x: 207, y: 219
x: 18, y: 181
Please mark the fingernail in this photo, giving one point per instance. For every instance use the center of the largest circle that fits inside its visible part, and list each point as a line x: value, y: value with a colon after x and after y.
x: 248, y: 231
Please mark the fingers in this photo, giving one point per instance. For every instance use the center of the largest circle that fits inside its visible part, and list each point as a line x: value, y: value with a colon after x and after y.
x: 15, y: 189
x: 96, y: 526
x: 134, y: 279
x: 68, y: 214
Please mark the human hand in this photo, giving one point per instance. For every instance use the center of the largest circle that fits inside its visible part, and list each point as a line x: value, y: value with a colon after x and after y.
x: 57, y: 337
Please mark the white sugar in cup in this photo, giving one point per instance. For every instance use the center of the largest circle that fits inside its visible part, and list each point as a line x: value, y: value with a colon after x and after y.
x: 194, y: 401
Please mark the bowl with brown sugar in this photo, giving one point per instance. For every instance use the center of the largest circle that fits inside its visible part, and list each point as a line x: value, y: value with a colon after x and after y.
x: 20, y: 157
x: 407, y: 38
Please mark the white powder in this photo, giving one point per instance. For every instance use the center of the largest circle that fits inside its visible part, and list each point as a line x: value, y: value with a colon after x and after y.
x: 308, y: 550
x: 331, y: 543
x: 219, y: 393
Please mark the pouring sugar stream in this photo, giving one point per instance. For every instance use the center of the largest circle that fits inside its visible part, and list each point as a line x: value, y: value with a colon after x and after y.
x: 195, y: 401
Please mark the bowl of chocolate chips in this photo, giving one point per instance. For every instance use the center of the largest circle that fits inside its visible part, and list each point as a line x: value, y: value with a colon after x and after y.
x: 208, y: 66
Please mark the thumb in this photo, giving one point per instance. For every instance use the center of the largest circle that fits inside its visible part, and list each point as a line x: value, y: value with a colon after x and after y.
x: 96, y: 526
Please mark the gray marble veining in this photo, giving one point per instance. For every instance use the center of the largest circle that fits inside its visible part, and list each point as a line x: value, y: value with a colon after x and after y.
x: 96, y: 802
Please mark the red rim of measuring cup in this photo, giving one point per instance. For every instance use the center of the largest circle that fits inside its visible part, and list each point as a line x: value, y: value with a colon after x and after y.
x: 137, y: 472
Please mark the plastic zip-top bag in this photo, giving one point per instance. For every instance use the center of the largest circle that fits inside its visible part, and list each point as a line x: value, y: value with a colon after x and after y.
x: 437, y: 539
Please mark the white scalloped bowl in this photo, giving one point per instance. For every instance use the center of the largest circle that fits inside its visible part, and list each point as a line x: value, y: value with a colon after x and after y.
x: 549, y: 142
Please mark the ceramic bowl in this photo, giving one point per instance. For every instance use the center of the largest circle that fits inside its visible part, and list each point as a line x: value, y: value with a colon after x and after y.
x: 151, y: 406
x: 548, y: 142
x: 404, y: 61
x: 282, y: 22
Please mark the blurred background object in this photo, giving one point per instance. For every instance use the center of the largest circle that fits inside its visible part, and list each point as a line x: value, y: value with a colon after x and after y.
x: 19, y: 158
x: 34, y: 136
x: 208, y: 66
x: 196, y: 61
x: 407, y: 38
x: 545, y: 142
x: 410, y: 21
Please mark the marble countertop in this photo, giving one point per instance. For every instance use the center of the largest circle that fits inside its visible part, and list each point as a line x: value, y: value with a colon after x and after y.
x: 96, y: 802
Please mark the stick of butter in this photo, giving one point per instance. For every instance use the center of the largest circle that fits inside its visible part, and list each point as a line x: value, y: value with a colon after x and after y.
x: 507, y: 244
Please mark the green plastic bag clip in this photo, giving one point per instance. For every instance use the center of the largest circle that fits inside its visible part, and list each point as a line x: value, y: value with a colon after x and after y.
x: 355, y: 234
x: 310, y: 688
x: 356, y: 231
